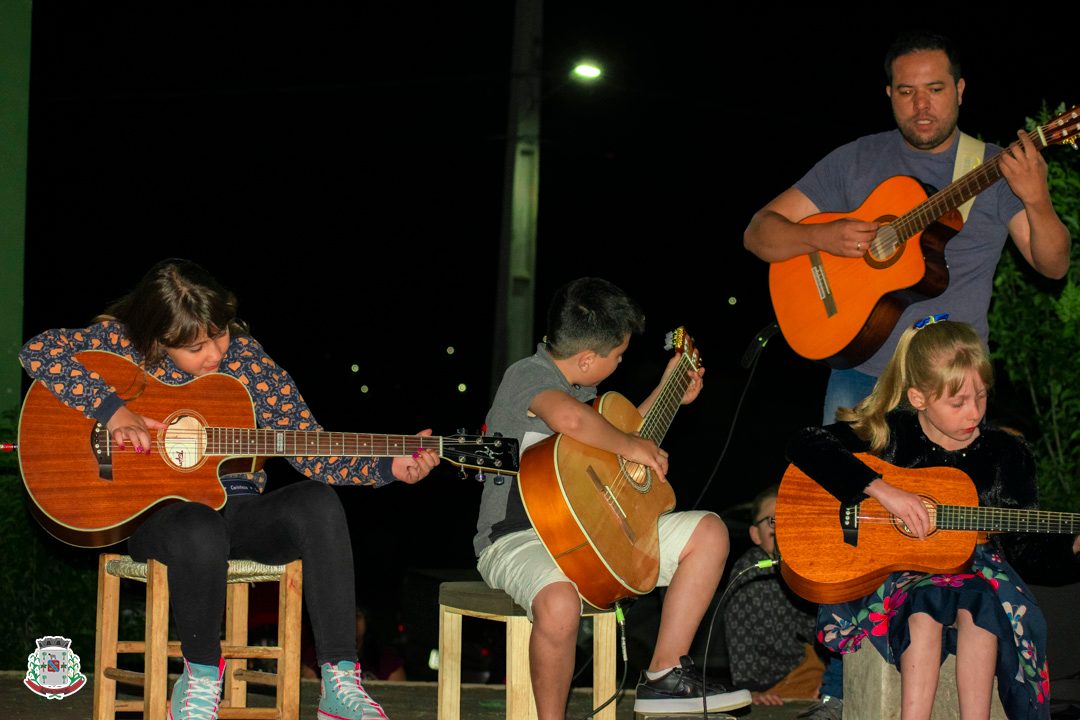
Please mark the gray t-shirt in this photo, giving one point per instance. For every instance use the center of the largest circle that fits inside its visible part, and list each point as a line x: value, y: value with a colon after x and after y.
x: 501, y: 510
x: 844, y: 178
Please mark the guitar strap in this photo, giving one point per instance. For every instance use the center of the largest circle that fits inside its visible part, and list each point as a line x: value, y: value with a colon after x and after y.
x: 969, y: 155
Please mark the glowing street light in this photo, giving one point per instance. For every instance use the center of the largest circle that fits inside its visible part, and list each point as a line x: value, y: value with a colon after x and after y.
x: 586, y: 71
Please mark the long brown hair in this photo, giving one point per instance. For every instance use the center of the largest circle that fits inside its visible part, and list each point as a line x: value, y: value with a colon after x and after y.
x: 934, y: 360
x: 171, y: 306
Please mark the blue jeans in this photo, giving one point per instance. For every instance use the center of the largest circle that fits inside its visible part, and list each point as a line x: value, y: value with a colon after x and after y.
x: 832, y: 681
x: 846, y: 388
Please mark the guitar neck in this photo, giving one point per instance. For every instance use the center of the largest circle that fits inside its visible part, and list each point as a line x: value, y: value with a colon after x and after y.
x: 956, y: 193
x: 658, y: 419
x: 958, y: 517
x: 258, y: 442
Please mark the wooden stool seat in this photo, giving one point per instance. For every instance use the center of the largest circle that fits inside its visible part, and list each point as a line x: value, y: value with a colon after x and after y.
x: 476, y: 599
x: 156, y: 648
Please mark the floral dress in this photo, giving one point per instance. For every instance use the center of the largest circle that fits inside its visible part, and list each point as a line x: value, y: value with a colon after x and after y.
x: 992, y: 591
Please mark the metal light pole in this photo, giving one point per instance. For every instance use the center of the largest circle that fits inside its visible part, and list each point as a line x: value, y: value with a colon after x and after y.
x: 516, y: 287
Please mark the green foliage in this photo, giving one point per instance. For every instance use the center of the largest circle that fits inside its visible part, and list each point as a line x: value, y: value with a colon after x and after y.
x: 1035, y: 339
x: 46, y: 587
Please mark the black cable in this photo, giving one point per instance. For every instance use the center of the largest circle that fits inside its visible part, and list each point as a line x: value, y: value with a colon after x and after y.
x: 731, y: 432
x: 761, y: 564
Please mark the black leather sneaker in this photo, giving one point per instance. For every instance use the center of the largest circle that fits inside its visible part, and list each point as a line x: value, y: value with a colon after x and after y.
x: 680, y: 690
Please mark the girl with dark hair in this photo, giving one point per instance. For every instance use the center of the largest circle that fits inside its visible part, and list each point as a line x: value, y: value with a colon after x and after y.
x: 179, y: 324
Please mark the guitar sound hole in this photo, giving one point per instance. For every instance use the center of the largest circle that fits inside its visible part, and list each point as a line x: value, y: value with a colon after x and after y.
x: 885, y: 244
x: 638, y: 476
x: 184, y: 442
x: 931, y: 509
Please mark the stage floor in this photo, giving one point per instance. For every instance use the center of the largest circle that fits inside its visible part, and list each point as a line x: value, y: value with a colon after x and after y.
x: 402, y: 701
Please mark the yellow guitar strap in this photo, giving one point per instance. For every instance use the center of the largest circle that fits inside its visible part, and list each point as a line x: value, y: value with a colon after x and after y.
x: 969, y: 155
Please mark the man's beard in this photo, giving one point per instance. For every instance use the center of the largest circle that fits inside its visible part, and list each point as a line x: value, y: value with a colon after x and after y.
x: 922, y: 142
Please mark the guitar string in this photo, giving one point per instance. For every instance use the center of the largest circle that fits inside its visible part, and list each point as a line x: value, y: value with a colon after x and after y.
x: 1001, y: 519
x: 931, y: 209
x: 266, y: 445
x: 651, y: 424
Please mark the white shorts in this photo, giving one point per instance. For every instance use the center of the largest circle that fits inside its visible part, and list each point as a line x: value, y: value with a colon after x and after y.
x: 519, y: 565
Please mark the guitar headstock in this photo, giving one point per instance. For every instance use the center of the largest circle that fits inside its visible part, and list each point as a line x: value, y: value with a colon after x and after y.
x: 1062, y: 130
x: 680, y: 341
x: 479, y: 452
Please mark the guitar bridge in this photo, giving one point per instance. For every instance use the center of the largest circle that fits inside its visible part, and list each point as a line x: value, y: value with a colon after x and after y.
x: 101, y: 444
x: 849, y: 523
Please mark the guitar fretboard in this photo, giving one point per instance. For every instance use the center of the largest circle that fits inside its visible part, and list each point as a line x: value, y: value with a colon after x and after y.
x: 267, y: 443
x: 658, y: 420
x: 957, y: 517
x: 957, y: 193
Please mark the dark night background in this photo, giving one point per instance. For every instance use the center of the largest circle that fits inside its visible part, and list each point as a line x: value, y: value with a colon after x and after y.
x: 340, y: 167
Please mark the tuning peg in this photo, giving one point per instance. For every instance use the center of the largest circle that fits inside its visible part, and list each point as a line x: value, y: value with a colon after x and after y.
x: 480, y: 476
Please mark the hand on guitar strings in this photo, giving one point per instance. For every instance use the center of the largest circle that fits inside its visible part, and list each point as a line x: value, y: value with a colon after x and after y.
x: 646, y: 452
x: 697, y: 381
x: 1024, y: 168
x: 126, y: 426
x: 846, y: 237
x: 908, y: 507
x: 417, y: 467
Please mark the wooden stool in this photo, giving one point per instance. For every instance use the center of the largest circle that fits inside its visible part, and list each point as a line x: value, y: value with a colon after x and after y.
x: 156, y: 648
x: 872, y: 688
x: 476, y: 599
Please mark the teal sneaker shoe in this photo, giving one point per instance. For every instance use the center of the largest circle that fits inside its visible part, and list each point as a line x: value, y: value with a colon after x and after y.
x: 343, y: 696
x: 197, y: 693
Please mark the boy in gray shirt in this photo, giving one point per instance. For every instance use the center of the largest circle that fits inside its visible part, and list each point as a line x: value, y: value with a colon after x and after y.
x: 590, y: 322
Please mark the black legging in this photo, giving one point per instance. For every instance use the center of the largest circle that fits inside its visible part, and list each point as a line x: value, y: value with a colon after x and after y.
x: 304, y: 520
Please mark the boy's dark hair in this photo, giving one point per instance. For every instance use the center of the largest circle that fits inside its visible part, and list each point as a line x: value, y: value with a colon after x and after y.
x: 760, y: 498
x: 173, y: 303
x: 917, y: 40
x: 590, y: 314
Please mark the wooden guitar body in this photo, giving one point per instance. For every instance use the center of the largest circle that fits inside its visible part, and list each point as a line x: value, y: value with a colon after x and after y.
x: 83, y: 493
x: 596, y: 513
x: 841, y: 310
x: 824, y: 564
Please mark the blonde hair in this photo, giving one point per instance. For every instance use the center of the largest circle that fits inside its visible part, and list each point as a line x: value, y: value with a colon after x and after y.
x: 934, y: 360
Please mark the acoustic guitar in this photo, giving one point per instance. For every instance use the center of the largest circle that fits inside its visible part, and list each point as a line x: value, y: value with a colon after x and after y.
x: 834, y: 553
x: 87, y: 491
x: 841, y: 310
x: 595, y: 512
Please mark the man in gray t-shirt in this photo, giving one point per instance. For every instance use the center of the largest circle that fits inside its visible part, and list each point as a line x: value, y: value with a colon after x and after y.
x: 925, y: 89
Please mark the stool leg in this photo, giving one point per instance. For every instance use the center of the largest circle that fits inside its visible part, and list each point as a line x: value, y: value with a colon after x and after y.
x: 604, y: 670
x: 236, y: 634
x: 290, y: 597
x: 108, y: 620
x: 520, y: 704
x: 449, y: 664
x: 157, y: 636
